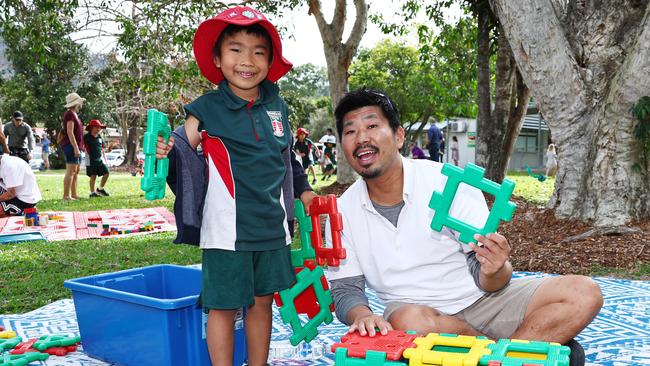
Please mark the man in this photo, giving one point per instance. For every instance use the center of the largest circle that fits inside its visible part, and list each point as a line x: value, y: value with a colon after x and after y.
x: 18, y: 187
x: 435, y: 138
x: 45, y: 152
x: 430, y: 281
x: 21, y: 138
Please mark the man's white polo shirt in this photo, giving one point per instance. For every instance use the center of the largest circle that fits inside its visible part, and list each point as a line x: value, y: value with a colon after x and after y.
x: 411, y: 262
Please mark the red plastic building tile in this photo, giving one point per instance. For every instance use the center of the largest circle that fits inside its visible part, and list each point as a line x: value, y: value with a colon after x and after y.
x: 394, y: 343
x: 306, y: 302
x: 326, y: 206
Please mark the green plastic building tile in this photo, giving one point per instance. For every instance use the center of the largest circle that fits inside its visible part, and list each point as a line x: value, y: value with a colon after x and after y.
x: 55, y: 340
x: 305, y: 279
x: 155, y: 170
x: 502, y: 209
x: 306, y: 251
x: 555, y: 354
x: 23, y: 359
x: 9, y: 343
x: 373, y: 358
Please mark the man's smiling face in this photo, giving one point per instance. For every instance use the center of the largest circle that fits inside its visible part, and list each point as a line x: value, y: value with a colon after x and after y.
x: 369, y: 143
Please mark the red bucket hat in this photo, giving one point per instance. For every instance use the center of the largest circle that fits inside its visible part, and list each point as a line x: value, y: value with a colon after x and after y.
x: 302, y: 130
x: 208, y: 33
x: 95, y: 123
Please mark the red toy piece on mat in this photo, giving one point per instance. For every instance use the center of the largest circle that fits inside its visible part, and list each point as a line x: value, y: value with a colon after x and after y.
x: 24, y: 347
x: 306, y: 302
x: 394, y: 343
x: 28, y: 346
x: 327, y: 206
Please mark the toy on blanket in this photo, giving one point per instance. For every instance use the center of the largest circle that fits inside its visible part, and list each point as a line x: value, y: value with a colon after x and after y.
x: 6, y: 334
x: 23, y: 359
x: 516, y: 352
x: 9, y: 343
x: 440, y: 349
x: 502, y: 209
x: 155, y: 170
x: 31, y: 217
x: 399, y: 348
x: 28, y: 346
x: 55, y: 340
x: 109, y: 230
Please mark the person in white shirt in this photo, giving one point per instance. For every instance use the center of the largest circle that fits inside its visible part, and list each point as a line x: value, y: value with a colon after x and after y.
x: 18, y: 187
x: 430, y: 281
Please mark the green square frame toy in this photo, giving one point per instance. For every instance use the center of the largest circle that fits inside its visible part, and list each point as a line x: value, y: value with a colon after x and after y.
x: 472, y: 175
x: 155, y: 170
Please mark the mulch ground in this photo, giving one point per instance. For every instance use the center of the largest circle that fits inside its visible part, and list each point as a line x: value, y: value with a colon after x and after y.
x: 537, y: 236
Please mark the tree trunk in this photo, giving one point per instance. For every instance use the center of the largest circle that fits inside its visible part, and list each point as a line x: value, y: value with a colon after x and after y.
x: 586, y: 67
x: 339, y: 56
x: 497, y: 129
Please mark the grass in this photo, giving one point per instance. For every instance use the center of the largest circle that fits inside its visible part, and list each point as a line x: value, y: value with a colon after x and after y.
x: 641, y: 273
x: 33, y: 273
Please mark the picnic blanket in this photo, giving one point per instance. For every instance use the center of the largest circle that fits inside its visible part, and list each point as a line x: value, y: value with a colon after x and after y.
x: 620, y: 334
x: 74, y: 225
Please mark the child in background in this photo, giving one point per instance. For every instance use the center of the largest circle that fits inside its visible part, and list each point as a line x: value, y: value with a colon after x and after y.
x: 304, y: 148
x: 247, y: 143
x: 330, y: 157
x: 95, y: 158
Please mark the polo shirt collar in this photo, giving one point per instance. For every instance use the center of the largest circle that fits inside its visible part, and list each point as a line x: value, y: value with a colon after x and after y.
x: 268, y: 92
x: 407, y: 195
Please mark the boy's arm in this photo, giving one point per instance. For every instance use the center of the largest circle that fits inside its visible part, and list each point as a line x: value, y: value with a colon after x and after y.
x: 192, y: 131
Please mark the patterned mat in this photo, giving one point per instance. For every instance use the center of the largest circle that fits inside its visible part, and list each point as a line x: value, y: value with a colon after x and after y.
x: 620, y: 335
x: 74, y: 225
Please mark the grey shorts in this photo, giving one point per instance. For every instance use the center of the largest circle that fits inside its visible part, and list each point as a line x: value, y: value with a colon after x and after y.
x: 498, y: 314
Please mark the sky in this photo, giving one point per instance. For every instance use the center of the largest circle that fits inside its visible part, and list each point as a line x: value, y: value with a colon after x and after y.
x: 301, y: 43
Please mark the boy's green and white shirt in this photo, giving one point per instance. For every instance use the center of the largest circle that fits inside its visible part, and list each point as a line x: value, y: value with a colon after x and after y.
x: 243, y: 143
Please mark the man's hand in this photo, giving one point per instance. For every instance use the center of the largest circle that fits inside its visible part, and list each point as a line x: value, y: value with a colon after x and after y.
x: 162, y: 148
x: 29, y: 156
x: 493, y: 255
x: 306, y: 197
x: 366, y: 325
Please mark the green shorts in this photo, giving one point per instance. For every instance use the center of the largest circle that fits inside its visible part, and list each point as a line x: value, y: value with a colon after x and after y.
x: 232, y: 279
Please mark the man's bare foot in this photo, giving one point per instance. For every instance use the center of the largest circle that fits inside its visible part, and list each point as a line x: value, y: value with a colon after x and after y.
x: 69, y: 199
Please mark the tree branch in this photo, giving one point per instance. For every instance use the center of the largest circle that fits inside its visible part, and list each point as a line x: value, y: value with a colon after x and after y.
x: 358, y: 30
x: 324, y: 28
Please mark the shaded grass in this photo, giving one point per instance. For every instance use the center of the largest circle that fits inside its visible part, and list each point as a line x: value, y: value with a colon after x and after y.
x: 33, y: 273
x: 642, y: 272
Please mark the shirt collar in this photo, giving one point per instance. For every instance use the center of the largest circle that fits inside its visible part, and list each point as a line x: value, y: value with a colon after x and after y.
x: 268, y: 91
x: 407, y: 195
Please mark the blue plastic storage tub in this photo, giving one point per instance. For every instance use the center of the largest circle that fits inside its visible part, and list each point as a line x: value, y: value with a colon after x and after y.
x: 146, y: 316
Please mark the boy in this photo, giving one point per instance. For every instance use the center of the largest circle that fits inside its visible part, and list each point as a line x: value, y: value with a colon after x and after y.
x: 246, y: 140
x: 330, y: 158
x: 95, y: 158
x: 304, y: 148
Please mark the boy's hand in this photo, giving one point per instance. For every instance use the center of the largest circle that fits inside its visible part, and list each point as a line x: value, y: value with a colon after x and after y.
x: 494, y: 253
x: 306, y: 197
x: 162, y: 148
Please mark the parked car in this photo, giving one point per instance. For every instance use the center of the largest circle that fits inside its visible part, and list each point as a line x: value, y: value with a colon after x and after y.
x: 114, y: 159
x: 118, y: 151
x: 36, y: 163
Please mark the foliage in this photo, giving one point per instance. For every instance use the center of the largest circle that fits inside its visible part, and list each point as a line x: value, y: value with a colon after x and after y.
x: 46, y: 62
x: 302, y: 88
x: 440, y: 83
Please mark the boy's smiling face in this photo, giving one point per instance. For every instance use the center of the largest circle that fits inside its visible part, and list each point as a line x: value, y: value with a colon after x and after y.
x: 244, y: 62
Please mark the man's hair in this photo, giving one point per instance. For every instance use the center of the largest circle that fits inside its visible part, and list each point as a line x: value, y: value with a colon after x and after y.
x: 232, y: 29
x: 363, y: 98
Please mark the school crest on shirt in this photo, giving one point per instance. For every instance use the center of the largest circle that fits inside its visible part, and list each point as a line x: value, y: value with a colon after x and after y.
x: 276, y: 122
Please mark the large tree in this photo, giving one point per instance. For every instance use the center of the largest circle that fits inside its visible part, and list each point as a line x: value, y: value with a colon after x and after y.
x: 338, y: 55
x: 502, y: 97
x: 587, y: 63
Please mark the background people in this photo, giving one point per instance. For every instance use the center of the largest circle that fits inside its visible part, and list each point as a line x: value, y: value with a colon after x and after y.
x: 20, y: 137
x: 18, y: 187
x: 72, y: 144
